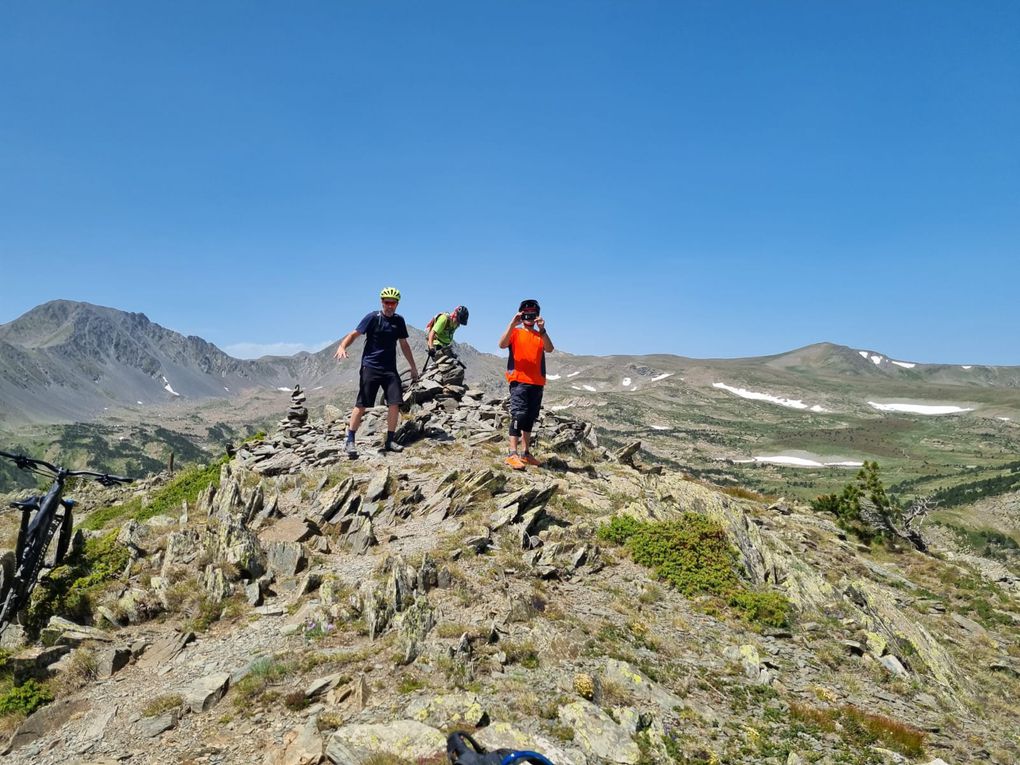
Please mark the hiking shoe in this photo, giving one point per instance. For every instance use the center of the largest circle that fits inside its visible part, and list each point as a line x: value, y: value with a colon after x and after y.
x: 530, y: 460
x: 351, y: 449
x: 391, y: 446
x: 515, y: 462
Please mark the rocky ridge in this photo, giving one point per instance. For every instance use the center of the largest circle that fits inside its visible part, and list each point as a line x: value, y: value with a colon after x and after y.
x: 312, y: 609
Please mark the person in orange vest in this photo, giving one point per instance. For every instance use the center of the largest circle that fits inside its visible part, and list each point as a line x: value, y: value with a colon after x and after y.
x: 525, y: 371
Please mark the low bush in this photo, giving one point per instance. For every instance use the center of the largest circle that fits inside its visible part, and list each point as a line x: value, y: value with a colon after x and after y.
x: 162, y: 704
x: 69, y: 589
x: 694, y: 555
x: 24, y: 699
x: 863, y: 728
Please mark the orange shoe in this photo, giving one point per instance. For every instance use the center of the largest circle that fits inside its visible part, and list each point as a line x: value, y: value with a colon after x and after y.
x: 526, y: 457
x: 515, y: 462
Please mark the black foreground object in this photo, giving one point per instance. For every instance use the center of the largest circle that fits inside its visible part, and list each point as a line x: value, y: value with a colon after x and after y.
x: 462, y: 749
x: 42, y: 518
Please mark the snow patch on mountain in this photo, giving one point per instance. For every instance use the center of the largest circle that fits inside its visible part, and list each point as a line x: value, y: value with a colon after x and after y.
x: 663, y: 376
x: 590, y: 388
x: 966, y: 366
x: 921, y: 408
x: 574, y: 374
x: 552, y: 377
x: 169, y: 389
x: 782, y: 459
x: 905, y: 364
x: 626, y: 382
x: 755, y: 396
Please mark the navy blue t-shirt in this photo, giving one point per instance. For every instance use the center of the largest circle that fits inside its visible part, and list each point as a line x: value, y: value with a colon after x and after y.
x: 381, y: 335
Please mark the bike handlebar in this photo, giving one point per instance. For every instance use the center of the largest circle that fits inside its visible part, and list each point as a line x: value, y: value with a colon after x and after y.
x: 27, y: 463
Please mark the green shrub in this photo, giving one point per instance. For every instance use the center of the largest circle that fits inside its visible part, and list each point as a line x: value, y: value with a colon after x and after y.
x: 254, y: 687
x: 69, y: 588
x: 161, y: 704
x: 769, y: 609
x: 694, y: 555
x: 24, y: 699
x: 409, y: 684
x: 619, y: 529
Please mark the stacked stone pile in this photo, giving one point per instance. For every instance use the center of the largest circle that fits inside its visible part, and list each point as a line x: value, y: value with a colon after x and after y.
x: 440, y: 406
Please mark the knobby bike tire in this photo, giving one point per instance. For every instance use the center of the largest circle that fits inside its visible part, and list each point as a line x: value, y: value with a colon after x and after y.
x: 22, y: 586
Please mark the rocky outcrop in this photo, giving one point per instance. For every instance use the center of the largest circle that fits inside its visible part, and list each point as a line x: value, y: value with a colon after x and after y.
x: 365, y: 608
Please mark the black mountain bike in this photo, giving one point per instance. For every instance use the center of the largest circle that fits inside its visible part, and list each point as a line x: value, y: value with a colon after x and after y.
x: 42, y: 517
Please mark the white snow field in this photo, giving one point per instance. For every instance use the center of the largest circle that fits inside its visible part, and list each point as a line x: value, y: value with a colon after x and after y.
x: 660, y: 427
x: 286, y: 390
x: 966, y: 366
x: 791, y: 403
x: 626, y: 382
x: 905, y: 364
x: 1004, y: 419
x: 560, y: 407
x: 875, y: 358
x: 663, y: 376
x: 552, y: 377
x: 573, y: 374
x: 168, y: 389
x: 782, y: 459
x: 920, y: 408
x: 590, y: 388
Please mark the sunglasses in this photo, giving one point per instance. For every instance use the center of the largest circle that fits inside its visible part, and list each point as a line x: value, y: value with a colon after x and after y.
x: 389, y: 302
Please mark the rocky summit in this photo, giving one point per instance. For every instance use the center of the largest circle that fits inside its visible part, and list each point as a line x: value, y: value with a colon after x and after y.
x: 290, y: 606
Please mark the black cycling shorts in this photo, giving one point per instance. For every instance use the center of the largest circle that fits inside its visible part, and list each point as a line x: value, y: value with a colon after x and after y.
x: 525, y: 404
x: 371, y: 380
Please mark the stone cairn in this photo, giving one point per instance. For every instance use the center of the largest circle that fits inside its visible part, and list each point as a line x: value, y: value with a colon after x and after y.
x: 295, y: 424
x: 440, y: 406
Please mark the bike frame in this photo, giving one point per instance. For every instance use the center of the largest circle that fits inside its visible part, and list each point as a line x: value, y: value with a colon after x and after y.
x: 40, y: 520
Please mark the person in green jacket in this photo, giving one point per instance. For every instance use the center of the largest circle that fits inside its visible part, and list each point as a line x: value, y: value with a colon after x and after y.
x: 442, y: 327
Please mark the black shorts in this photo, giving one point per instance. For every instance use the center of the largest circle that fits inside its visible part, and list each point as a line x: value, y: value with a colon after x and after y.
x: 371, y: 380
x: 525, y: 404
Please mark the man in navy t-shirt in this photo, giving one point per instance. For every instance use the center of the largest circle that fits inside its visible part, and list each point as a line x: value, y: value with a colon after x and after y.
x: 382, y: 330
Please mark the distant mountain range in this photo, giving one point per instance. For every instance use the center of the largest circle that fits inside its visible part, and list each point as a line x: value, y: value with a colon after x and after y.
x: 95, y: 385
x: 67, y: 361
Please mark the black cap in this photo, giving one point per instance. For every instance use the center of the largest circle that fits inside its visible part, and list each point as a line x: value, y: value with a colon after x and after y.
x: 529, y: 306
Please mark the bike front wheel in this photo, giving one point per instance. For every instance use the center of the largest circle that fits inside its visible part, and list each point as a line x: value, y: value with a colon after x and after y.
x: 10, y: 599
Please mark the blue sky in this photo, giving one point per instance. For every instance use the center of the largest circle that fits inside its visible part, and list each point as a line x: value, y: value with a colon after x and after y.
x: 701, y: 178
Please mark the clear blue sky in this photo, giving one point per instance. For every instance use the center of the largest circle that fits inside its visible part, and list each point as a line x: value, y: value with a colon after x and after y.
x: 701, y: 178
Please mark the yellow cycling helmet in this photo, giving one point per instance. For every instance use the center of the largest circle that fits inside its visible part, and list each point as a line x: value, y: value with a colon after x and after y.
x: 390, y: 293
